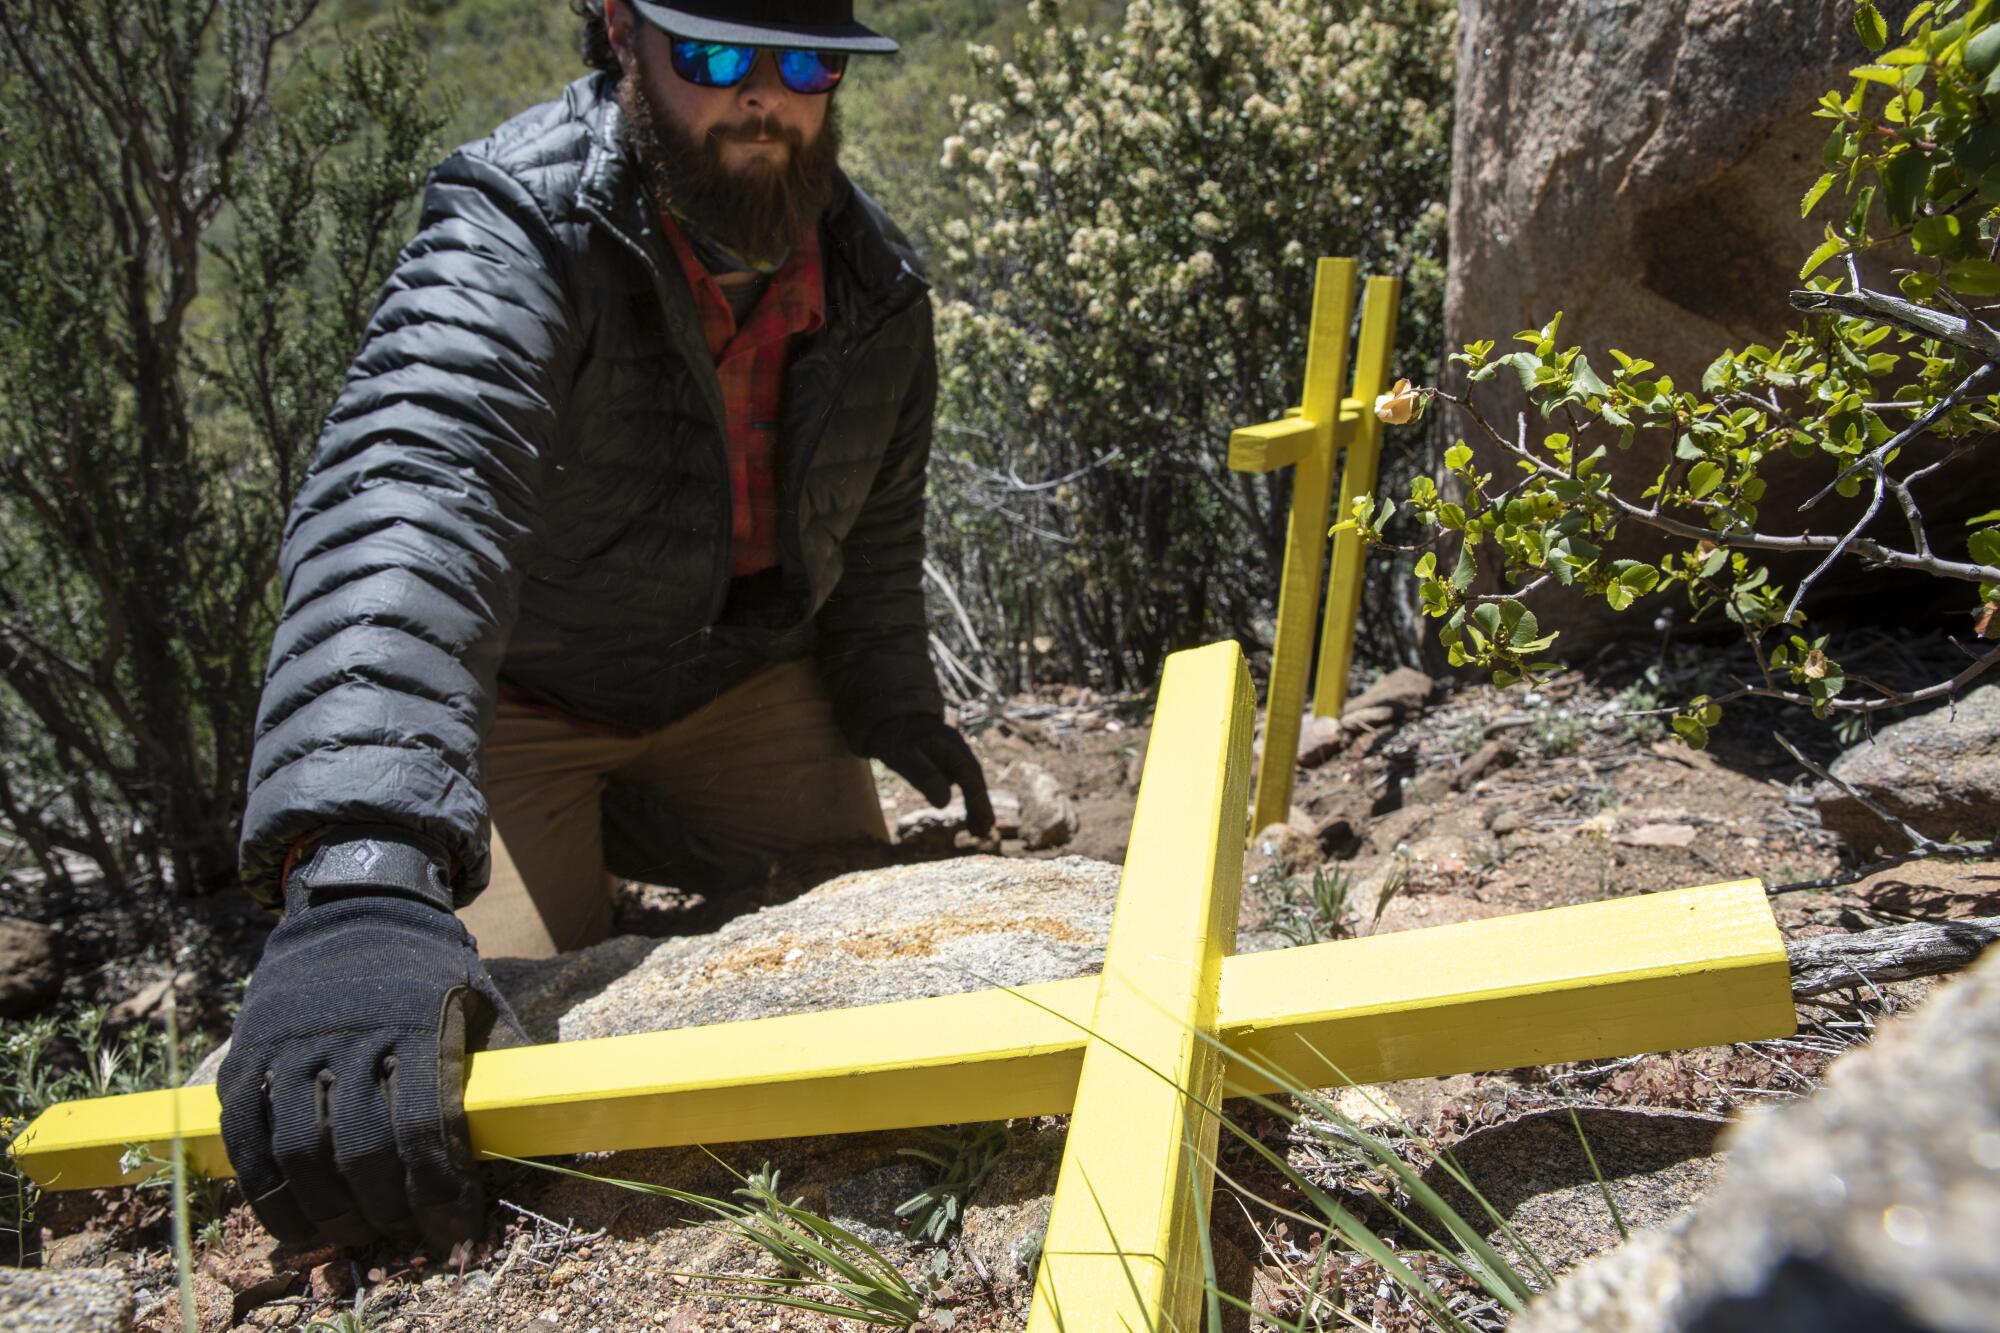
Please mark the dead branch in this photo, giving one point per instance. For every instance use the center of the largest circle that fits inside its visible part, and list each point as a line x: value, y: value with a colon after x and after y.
x: 1892, y: 953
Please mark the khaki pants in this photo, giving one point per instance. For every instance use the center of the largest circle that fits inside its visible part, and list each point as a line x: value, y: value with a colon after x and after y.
x: 761, y: 771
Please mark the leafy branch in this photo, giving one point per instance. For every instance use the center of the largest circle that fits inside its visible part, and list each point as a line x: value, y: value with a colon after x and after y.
x: 1867, y: 376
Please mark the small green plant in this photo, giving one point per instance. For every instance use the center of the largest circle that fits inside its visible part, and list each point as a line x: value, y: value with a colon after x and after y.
x: 1556, y: 731
x: 813, y: 1253
x: 57, y: 1057
x: 205, y: 1197
x: 1637, y: 709
x: 1469, y: 737
x: 364, y: 1316
x: 963, y: 1157
x: 1319, y: 914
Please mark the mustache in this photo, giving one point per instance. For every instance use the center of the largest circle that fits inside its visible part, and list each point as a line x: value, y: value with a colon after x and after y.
x: 758, y: 127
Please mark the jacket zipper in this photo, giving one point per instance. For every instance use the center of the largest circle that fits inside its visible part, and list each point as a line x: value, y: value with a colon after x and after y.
x: 719, y: 566
x: 802, y: 459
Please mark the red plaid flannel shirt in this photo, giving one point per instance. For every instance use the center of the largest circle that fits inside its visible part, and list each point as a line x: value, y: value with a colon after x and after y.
x: 750, y: 364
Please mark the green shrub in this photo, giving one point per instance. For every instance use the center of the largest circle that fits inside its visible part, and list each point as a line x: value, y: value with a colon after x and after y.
x: 194, y: 222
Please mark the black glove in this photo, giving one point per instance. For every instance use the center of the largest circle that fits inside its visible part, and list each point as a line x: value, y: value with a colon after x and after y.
x: 343, y: 1091
x: 931, y: 756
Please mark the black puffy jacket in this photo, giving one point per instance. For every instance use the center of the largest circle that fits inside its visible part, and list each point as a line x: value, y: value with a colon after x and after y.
x: 525, y: 476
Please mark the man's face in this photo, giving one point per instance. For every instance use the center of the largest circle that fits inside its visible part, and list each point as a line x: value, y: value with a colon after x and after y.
x: 751, y: 166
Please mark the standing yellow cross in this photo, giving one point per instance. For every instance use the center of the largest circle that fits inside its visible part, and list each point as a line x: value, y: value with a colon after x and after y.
x: 1120, y: 1052
x: 1307, y: 440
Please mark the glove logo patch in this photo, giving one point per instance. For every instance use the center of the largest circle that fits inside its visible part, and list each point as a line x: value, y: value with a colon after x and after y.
x: 363, y: 855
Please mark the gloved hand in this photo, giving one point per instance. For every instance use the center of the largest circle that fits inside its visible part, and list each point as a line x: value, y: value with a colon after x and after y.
x: 931, y: 756
x: 342, y: 1094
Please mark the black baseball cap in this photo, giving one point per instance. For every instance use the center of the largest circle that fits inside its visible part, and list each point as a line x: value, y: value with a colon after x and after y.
x: 815, y: 25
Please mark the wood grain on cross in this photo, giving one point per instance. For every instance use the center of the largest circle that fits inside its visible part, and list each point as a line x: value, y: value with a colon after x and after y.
x: 1692, y: 967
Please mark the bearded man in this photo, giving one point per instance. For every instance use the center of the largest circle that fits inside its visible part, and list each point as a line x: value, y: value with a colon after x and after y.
x: 609, y: 562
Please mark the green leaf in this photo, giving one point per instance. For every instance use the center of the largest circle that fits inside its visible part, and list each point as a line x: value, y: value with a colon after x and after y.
x: 1869, y: 26
x: 1983, y: 53
x: 1468, y: 567
x: 1816, y: 193
x: 1918, y: 286
x: 1586, y: 380
x: 1637, y: 575
x: 1692, y: 731
x: 1974, y: 277
x: 1702, y: 478
x: 1985, y: 546
x: 1828, y: 248
x: 1457, y: 456
x: 1938, y: 234
x: 1427, y: 565
x: 1902, y: 183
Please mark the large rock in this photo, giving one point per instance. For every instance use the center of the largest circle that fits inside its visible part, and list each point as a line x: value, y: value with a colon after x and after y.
x: 1535, y: 1173
x: 866, y: 938
x: 1638, y: 167
x: 1938, y: 772
x: 1871, y: 1205
x: 76, y: 1300
x: 29, y: 977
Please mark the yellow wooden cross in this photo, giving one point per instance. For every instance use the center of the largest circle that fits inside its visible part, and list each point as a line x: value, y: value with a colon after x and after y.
x: 1692, y: 967
x: 1307, y: 440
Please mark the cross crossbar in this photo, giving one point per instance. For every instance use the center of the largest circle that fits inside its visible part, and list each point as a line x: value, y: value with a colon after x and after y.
x: 1690, y: 967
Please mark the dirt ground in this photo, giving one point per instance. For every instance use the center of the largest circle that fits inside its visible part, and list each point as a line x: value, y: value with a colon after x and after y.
x: 1481, y: 803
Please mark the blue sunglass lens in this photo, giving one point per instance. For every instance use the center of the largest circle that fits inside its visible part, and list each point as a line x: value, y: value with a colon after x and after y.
x: 811, y: 71
x: 711, y: 64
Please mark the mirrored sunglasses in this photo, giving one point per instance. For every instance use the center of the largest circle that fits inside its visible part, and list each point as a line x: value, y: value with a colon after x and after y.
x: 717, y: 65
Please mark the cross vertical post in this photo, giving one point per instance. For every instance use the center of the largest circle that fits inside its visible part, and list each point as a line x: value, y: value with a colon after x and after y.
x: 1121, y: 1248
x: 1361, y: 443
x: 1305, y: 440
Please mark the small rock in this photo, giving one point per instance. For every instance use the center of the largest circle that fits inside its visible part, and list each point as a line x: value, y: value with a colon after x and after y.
x: 1006, y: 812
x: 144, y: 1003
x: 29, y: 977
x: 1508, y: 821
x: 76, y: 1300
x: 1660, y: 835
x: 1489, y: 758
x: 1320, y: 739
x: 1404, y: 691
x: 1048, y: 818
x: 929, y: 829
x: 84, y: 1249
x: 1938, y: 772
x: 1278, y: 852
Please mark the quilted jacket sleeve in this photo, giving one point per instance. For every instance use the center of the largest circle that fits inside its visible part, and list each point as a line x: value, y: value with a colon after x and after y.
x: 400, y: 559
x: 873, y: 642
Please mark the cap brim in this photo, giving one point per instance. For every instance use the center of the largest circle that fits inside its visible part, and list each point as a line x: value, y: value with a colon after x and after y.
x: 836, y: 37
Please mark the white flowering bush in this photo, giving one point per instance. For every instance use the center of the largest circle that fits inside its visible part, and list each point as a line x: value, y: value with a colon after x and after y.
x: 1133, y: 279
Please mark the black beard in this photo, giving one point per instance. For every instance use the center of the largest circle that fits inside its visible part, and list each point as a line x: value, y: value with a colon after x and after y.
x: 761, y: 212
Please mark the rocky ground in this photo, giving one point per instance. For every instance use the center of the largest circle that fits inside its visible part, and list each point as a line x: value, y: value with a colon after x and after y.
x: 1425, y: 807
